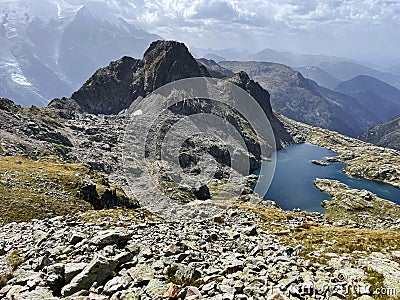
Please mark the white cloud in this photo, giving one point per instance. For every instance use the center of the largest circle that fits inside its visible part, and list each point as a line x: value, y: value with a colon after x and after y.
x: 308, y: 24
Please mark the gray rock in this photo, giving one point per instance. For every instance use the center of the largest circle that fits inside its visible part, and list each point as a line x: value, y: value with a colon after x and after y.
x: 72, y: 269
x: 156, y: 289
x: 111, y: 237
x: 98, y: 270
x: 115, y: 284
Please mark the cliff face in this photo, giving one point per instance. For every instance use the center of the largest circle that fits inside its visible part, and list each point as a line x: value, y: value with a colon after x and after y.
x: 113, y: 88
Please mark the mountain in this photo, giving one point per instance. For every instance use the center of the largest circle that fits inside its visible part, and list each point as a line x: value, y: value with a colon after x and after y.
x: 380, y: 98
x: 348, y: 70
x: 394, y: 69
x: 304, y: 100
x: 88, y: 129
x: 214, y: 57
x: 318, y: 75
x: 49, y: 48
x: 385, y: 135
x: 339, y: 68
x: 73, y: 227
x: 292, y: 59
x: 219, y: 54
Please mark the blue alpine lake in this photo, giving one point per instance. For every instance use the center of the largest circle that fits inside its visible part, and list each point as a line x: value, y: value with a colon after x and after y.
x: 293, y: 186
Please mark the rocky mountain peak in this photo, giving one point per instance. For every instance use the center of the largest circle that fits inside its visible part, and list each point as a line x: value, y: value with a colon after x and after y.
x: 168, y: 61
x: 113, y: 88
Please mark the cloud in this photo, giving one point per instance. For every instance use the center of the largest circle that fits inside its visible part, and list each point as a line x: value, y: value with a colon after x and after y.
x: 308, y: 24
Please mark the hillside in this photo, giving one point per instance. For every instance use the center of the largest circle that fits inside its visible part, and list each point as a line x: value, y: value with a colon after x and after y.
x: 319, y: 76
x: 378, y: 97
x: 385, y: 135
x: 304, y: 100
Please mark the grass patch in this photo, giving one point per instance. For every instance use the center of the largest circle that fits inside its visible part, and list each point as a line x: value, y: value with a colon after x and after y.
x: 15, y: 259
x: 38, y: 189
x: 49, y: 187
x: 172, y: 278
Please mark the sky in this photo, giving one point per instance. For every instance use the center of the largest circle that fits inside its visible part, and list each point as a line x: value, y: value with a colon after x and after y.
x: 352, y: 28
x: 361, y: 29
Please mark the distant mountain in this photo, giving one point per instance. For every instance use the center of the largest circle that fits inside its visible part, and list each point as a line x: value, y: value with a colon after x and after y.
x: 348, y: 70
x: 220, y: 54
x: 291, y: 59
x: 304, y: 100
x: 214, y: 57
x: 380, y: 98
x: 385, y: 135
x: 320, y: 76
x: 338, y: 67
x: 49, y: 48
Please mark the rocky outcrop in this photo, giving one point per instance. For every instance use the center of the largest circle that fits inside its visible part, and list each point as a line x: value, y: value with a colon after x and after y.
x: 214, y: 69
x: 358, y: 208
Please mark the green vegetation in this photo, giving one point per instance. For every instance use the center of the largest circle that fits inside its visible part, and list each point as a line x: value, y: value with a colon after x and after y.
x: 171, y: 277
x: 48, y: 187
x: 38, y: 189
x: 15, y: 259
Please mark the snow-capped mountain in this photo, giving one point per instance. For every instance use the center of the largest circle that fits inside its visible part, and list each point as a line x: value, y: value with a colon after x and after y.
x: 48, y: 48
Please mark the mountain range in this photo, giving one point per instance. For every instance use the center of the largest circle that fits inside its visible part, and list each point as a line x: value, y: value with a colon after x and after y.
x: 321, y: 68
x: 49, y: 48
x: 304, y: 100
x: 380, y: 98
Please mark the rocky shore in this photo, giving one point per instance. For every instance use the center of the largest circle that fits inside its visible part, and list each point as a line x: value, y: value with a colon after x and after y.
x: 362, y: 159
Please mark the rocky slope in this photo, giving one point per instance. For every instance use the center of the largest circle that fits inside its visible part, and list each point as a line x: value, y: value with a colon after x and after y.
x: 304, y: 100
x: 65, y: 128
x: 357, y: 208
x: 380, y: 98
x: 384, y: 135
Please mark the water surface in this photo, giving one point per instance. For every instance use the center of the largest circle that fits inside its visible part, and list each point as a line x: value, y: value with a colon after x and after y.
x: 293, y: 182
